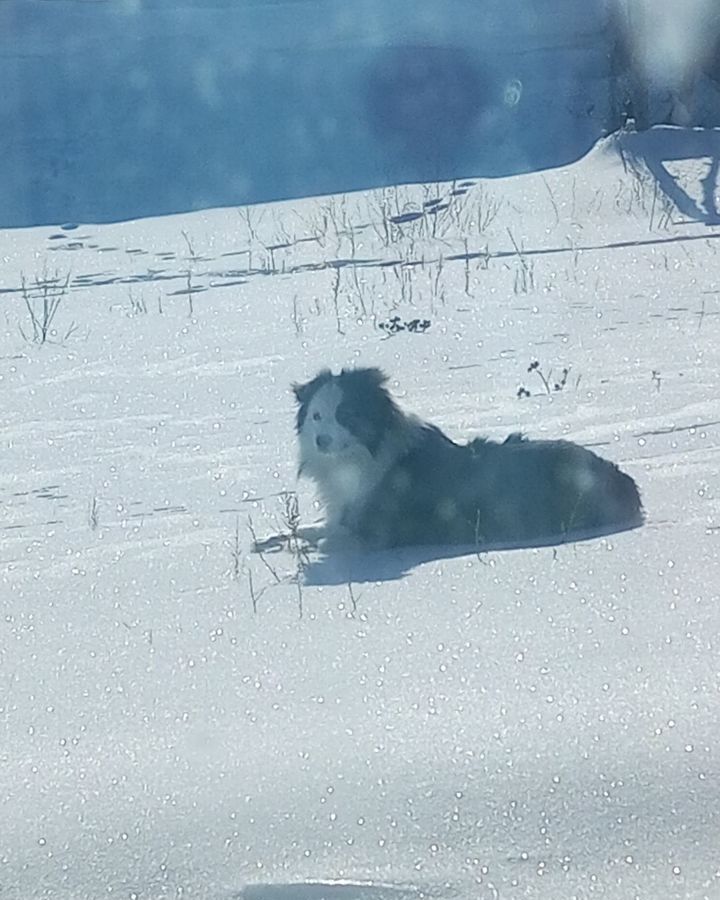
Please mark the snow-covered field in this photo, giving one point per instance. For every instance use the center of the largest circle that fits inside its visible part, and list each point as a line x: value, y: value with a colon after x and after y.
x: 182, y: 717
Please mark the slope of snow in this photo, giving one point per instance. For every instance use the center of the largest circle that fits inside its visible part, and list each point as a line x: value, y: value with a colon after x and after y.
x: 180, y: 716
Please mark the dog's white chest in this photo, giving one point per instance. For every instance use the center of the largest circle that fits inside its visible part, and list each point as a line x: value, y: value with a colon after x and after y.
x: 344, y: 487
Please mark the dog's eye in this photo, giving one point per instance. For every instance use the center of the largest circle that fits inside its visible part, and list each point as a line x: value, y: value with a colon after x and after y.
x: 316, y: 416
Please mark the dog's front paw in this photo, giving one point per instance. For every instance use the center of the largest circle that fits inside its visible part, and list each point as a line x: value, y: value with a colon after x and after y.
x: 270, y: 544
x: 302, y: 538
x: 312, y: 534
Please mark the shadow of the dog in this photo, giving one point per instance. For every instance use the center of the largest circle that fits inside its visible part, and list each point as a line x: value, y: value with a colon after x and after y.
x: 343, y: 566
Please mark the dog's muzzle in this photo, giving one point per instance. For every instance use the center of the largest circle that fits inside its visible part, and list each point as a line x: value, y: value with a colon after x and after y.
x: 323, y: 442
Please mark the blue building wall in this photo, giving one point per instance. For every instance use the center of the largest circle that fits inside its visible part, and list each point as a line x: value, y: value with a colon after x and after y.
x: 127, y: 108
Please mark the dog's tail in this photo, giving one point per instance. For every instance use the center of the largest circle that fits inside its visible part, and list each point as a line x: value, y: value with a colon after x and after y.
x: 606, y: 499
x: 619, y: 500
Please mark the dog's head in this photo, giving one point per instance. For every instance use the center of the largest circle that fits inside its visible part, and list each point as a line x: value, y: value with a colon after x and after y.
x: 341, y: 416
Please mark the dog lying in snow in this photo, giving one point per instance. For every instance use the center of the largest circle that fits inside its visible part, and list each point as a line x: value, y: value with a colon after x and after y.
x: 388, y: 479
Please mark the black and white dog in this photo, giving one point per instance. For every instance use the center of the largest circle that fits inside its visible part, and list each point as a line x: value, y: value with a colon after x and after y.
x: 388, y: 479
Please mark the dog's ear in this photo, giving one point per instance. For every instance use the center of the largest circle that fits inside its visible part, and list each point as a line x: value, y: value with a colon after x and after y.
x: 303, y: 392
x: 378, y: 377
x: 370, y: 375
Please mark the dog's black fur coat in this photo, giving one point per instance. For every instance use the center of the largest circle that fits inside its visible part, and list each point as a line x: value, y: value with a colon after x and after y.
x: 434, y: 491
x: 518, y: 492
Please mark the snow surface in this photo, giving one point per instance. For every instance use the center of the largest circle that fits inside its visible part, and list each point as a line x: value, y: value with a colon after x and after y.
x: 525, y: 724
